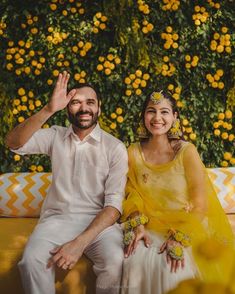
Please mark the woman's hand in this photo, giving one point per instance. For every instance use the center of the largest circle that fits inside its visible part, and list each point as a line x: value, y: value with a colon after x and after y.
x: 175, y: 264
x: 140, y: 234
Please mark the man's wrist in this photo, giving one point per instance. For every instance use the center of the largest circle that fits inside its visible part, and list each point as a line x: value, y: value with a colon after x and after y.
x: 83, y: 240
x: 48, y: 109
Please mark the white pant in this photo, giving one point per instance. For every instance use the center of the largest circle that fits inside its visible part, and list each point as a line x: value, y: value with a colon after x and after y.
x: 106, y: 252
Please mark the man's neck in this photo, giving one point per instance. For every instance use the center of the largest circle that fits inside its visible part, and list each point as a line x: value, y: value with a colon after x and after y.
x: 82, y: 133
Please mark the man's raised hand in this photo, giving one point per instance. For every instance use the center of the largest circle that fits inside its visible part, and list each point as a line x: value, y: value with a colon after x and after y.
x: 60, y: 99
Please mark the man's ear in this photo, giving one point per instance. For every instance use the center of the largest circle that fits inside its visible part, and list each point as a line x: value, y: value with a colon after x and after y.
x: 175, y: 115
x: 99, y: 111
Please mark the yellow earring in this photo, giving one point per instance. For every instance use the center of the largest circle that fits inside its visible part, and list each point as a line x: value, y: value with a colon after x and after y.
x: 175, y: 131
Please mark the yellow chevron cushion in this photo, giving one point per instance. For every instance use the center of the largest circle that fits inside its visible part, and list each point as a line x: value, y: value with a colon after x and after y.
x: 224, y: 184
x: 22, y: 194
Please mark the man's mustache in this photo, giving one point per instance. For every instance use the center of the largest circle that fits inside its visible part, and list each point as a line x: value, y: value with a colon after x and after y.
x: 83, y: 112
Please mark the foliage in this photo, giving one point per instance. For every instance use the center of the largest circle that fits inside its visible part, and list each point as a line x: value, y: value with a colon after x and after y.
x: 127, y: 49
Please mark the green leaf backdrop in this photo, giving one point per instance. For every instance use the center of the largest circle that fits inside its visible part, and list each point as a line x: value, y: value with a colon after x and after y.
x: 127, y: 48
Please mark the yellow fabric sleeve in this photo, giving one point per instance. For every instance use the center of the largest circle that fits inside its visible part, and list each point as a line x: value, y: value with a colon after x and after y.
x: 133, y: 201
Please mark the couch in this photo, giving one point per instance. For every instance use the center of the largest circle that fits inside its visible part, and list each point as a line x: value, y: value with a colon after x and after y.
x: 21, y: 196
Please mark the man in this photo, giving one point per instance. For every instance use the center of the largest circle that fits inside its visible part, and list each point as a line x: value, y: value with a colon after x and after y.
x: 84, y: 201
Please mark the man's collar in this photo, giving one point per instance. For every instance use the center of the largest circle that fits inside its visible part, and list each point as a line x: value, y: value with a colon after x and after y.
x: 95, y: 133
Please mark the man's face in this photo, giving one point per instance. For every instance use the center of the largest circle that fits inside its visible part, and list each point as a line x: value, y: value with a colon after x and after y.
x: 83, y: 108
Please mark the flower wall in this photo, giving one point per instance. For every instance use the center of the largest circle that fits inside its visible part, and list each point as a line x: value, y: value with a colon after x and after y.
x: 126, y: 48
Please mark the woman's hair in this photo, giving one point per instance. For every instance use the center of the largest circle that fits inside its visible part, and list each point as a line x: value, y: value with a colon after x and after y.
x: 167, y: 96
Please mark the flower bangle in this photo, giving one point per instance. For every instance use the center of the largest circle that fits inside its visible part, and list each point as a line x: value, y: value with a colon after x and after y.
x: 130, y: 224
x: 180, y: 237
x: 128, y: 237
x: 135, y: 222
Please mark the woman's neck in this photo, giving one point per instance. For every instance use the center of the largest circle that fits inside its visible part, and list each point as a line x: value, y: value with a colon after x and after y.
x: 160, y: 144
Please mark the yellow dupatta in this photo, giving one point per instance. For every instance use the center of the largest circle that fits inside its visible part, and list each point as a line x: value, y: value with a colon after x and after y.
x: 165, y: 194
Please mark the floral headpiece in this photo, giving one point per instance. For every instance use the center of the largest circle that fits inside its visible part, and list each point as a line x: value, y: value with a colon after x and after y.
x: 156, y: 97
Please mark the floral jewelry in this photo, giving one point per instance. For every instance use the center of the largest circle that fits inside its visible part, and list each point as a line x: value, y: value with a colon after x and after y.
x: 180, y: 237
x: 128, y: 237
x: 156, y: 97
x: 129, y: 225
x: 175, y: 131
x: 135, y: 222
x: 141, y: 131
x: 176, y: 252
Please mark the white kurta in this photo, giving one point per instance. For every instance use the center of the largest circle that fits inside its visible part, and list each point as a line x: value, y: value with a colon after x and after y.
x: 87, y: 176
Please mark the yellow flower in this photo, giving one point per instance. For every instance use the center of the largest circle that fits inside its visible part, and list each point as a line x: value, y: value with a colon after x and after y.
x: 31, y: 107
x: 40, y: 168
x: 113, y: 126
x: 224, y: 30
x: 165, y: 58
x: 16, y: 157
x: 102, y: 26
x: 117, y: 60
x: 138, y: 91
x: 98, y: 15
x: 157, y: 96
x: 169, y: 29
x: 38, y: 103
x: 224, y: 135
x: 192, y: 136
x: 113, y: 115
x: 53, y: 7
x: 81, y: 10
x: 221, y: 115
x: 217, y: 132
x: 179, y: 236
x: 107, y: 71
x: 21, y: 119
x: 33, y: 168
x: 220, y: 85
x: 49, y: 82
x: 224, y: 163
x: 138, y: 73
x: 215, y: 125
x: 133, y: 223
x: 16, y: 102
x: 220, y: 49
x: 231, y: 137
x: 232, y: 161
x: 228, y: 114
x: 220, y: 72
x: 21, y: 91
x: 178, y: 251
x: 120, y: 119
x: 227, y: 155
x: 170, y: 87
x: 128, y: 92
x: 119, y: 110
x: 146, y: 76
x: 55, y: 72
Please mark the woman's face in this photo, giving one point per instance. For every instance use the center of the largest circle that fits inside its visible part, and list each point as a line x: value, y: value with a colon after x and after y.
x: 158, y: 118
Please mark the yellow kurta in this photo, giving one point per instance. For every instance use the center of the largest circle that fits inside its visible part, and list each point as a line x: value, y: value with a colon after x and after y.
x: 165, y: 193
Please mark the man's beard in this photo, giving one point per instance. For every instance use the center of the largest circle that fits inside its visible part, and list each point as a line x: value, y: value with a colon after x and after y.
x: 83, y: 124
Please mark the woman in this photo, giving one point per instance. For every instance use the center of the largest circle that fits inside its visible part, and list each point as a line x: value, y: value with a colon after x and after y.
x: 175, y: 228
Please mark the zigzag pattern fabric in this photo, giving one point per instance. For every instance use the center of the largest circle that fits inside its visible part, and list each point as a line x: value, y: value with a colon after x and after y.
x: 22, y: 194
x: 224, y: 184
